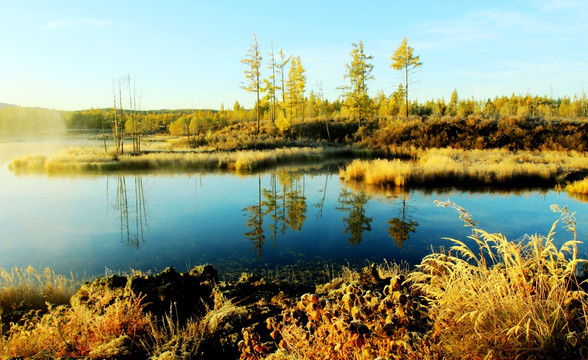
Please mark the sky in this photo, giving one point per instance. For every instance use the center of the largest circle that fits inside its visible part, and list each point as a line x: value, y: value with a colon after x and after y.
x: 65, y: 55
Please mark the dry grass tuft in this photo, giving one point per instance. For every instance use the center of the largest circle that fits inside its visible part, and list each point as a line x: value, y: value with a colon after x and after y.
x: 506, y: 299
x: 79, y: 330
x: 26, y: 287
x: 167, y: 339
x: 579, y: 187
x: 466, y: 167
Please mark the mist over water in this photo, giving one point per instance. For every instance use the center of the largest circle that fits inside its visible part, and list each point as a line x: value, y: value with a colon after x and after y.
x: 47, y: 145
x: 19, y: 121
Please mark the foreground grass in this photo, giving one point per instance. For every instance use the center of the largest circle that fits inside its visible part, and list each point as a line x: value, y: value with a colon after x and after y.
x: 442, y: 167
x: 92, y: 161
x: 507, y: 299
x: 30, y: 289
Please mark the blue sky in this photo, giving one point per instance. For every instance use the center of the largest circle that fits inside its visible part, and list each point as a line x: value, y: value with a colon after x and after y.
x: 186, y: 54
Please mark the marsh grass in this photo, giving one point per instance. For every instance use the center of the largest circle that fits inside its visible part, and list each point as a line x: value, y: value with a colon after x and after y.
x: 439, y: 167
x: 504, y: 299
x: 31, y: 289
x: 579, y: 187
x: 90, y: 161
x: 95, y: 332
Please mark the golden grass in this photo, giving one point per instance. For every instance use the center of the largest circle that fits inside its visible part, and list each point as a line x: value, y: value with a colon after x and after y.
x: 80, y: 330
x: 506, y: 299
x: 90, y: 161
x: 467, y: 167
x: 578, y: 187
x: 103, y: 322
x: 32, y: 289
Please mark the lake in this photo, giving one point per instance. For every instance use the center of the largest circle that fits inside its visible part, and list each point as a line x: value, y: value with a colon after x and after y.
x: 290, y: 218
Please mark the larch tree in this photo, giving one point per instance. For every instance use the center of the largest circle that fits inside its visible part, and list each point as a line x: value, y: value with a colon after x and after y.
x: 453, y: 103
x: 271, y: 83
x: 134, y: 121
x: 323, y: 107
x: 280, y: 67
x: 359, y: 72
x: 404, y: 60
x: 295, y: 86
x: 253, y: 73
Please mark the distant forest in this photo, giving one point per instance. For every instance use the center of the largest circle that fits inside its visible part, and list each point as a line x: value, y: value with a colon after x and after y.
x: 515, y: 122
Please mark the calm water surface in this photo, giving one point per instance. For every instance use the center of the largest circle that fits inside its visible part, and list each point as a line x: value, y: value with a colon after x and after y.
x: 301, y: 217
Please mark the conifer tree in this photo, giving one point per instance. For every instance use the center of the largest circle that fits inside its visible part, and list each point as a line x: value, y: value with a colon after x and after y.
x: 404, y: 60
x: 271, y: 83
x: 453, y: 101
x: 359, y: 71
x: 295, y: 86
x: 280, y: 66
x: 253, y: 73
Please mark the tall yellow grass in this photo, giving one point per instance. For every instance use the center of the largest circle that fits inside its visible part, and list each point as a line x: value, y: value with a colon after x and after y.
x: 80, y: 331
x: 506, y: 299
x: 578, y: 187
x: 463, y: 167
x: 28, y: 287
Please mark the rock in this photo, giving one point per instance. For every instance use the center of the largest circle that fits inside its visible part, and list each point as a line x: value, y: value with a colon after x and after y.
x: 186, y: 294
x: 206, y: 273
x: 115, y: 349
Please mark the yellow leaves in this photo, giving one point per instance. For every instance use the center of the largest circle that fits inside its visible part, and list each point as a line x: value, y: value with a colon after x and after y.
x: 283, y: 122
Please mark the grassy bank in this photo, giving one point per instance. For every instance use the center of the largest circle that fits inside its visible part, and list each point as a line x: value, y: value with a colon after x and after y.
x: 92, y: 161
x: 486, y: 298
x: 453, y: 167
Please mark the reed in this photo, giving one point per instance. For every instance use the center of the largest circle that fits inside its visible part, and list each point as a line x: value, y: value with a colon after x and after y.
x: 579, y: 187
x: 504, y: 299
x: 31, y: 289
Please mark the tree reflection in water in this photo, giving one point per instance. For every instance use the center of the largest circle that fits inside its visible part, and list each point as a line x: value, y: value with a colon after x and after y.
x: 353, y: 203
x: 286, y: 208
x: 255, y: 221
x: 132, y: 211
x: 401, y: 226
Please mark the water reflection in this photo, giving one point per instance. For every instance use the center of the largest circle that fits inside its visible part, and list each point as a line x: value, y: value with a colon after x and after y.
x: 293, y: 187
x: 131, y: 208
x: 255, y: 221
x: 353, y: 204
x: 402, y: 225
x: 320, y: 205
x: 286, y: 208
